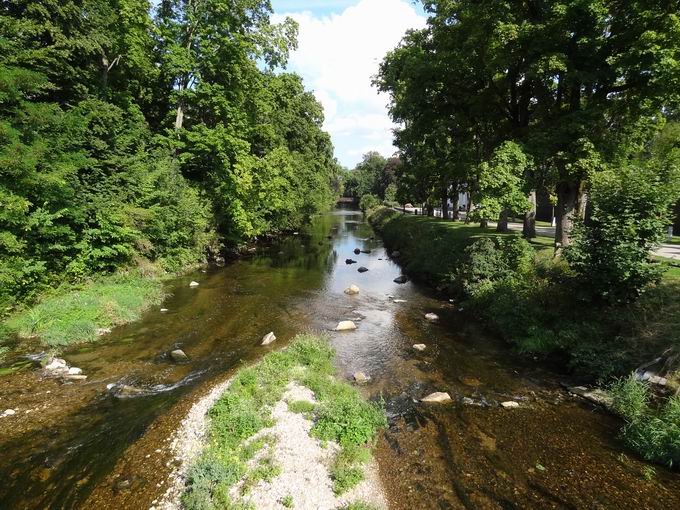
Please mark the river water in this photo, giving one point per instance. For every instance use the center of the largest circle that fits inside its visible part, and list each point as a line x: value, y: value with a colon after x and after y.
x: 86, y: 446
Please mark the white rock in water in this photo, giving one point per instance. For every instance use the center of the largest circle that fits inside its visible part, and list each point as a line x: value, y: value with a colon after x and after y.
x: 75, y: 377
x: 345, y: 326
x: 360, y: 377
x: 352, y: 290
x: 103, y: 331
x: 420, y: 347
x: 400, y: 301
x: 9, y: 412
x: 194, y: 284
x: 74, y: 371
x: 56, y: 364
x: 431, y: 316
x: 268, y: 338
x: 437, y: 396
x: 510, y: 404
x: 163, y: 310
x: 178, y: 355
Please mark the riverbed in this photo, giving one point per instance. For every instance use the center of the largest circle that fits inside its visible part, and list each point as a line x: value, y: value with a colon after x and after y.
x: 83, y: 445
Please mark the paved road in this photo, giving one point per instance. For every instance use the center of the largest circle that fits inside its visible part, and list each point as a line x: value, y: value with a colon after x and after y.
x: 671, y: 251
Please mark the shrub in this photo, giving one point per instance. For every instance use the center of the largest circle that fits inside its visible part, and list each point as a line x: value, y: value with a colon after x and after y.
x: 369, y: 202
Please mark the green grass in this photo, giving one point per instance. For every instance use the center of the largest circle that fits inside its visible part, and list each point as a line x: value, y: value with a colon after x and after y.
x: 245, y: 409
x: 301, y: 407
x: 73, y: 314
x: 287, y: 501
x: 347, y: 470
x: 360, y: 505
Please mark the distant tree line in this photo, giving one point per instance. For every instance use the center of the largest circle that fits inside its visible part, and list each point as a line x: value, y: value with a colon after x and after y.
x: 130, y: 134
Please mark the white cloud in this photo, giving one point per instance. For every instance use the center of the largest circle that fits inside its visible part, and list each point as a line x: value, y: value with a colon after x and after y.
x: 337, y: 56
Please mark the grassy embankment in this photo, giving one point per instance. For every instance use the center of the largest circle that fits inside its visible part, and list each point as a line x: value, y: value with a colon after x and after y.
x: 77, y: 313
x: 340, y: 415
x: 540, y: 308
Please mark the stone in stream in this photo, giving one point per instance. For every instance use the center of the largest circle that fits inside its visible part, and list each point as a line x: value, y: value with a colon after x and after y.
x: 75, y: 377
x: 352, y: 290
x: 420, y: 347
x: 401, y: 279
x: 268, y: 338
x: 56, y: 365
x: 438, y: 397
x: 8, y: 412
x: 362, y: 269
x: 350, y: 261
x: 361, y: 378
x: 357, y: 251
x: 399, y: 301
x: 178, y: 356
x: 345, y: 326
x: 596, y: 396
x: 163, y: 310
x: 74, y: 371
x: 431, y: 316
x: 510, y: 404
x: 194, y: 284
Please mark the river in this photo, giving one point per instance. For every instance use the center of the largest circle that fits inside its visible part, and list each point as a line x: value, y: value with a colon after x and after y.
x: 82, y: 446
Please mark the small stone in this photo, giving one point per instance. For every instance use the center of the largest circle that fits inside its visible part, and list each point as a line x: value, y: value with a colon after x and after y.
x: 75, y: 377
x: 352, y: 290
x: 468, y: 401
x: 431, y: 316
x: 437, y: 396
x: 74, y: 371
x: 345, y: 326
x: 420, y: 347
x: 400, y: 301
x: 268, y: 338
x: 510, y: 404
x: 56, y: 364
x: 9, y: 412
x: 361, y: 378
x: 179, y: 356
x: 103, y: 331
x: 163, y: 310
x: 362, y: 269
x: 401, y: 279
x: 194, y: 284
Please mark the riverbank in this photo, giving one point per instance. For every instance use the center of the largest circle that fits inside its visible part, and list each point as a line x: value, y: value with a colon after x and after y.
x: 539, y: 311
x: 282, y: 433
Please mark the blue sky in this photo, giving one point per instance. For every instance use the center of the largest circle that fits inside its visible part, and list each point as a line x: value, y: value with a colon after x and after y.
x: 340, y: 45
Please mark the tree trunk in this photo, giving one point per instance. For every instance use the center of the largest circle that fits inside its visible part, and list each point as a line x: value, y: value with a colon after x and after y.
x: 567, y: 211
x: 430, y: 210
x: 468, y: 209
x: 179, y: 116
x: 502, y: 225
x: 445, y: 204
x: 454, y: 206
x: 484, y: 224
x: 529, y: 228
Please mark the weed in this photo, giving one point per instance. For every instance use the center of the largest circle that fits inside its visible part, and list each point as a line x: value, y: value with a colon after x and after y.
x: 648, y: 473
x: 302, y: 407
x: 360, y: 505
x: 287, y: 501
x: 266, y: 470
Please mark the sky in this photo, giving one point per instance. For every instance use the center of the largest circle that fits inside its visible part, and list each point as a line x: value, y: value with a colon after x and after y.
x: 340, y: 45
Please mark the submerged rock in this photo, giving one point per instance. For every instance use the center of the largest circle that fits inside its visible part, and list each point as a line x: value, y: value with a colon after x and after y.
x: 345, y: 326
x: 510, y: 404
x: 437, y: 396
x: 178, y: 356
x: 352, y: 290
x: 431, y: 316
x: 420, y: 347
x: 125, y: 390
x: 268, y: 338
x: 596, y: 395
x: 194, y: 284
x: 399, y: 300
x: 361, y: 378
x: 401, y: 279
x: 75, y: 377
x: 8, y: 412
x: 362, y: 269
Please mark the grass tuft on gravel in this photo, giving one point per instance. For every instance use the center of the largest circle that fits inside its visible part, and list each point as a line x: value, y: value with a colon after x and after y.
x: 245, y: 408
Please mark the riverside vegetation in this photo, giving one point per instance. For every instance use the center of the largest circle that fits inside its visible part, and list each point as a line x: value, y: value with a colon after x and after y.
x: 340, y: 415
x: 143, y: 140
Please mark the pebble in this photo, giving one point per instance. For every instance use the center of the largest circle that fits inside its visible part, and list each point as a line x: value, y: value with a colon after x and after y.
x: 510, y: 404
x: 431, y: 316
x: 9, y: 412
x: 420, y: 347
x: 437, y: 396
x: 194, y: 284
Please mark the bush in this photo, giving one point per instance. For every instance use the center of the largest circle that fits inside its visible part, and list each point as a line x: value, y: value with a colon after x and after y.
x: 369, y: 202
x: 653, y: 433
x: 630, y: 213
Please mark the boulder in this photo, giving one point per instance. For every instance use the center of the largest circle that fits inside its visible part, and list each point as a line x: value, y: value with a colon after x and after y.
x: 437, y: 396
x: 194, y: 284
x: 362, y: 269
x: 268, y: 338
x: 352, y: 290
x: 345, y: 326
x: 420, y: 347
x: 361, y: 378
x: 126, y: 390
x: 74, y: 371
x: 431, y: 316
x: 350, y: 261
x: 401, y: 279
x: 178, y: 356
x: 510, y: 404
x: 357, y: 251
